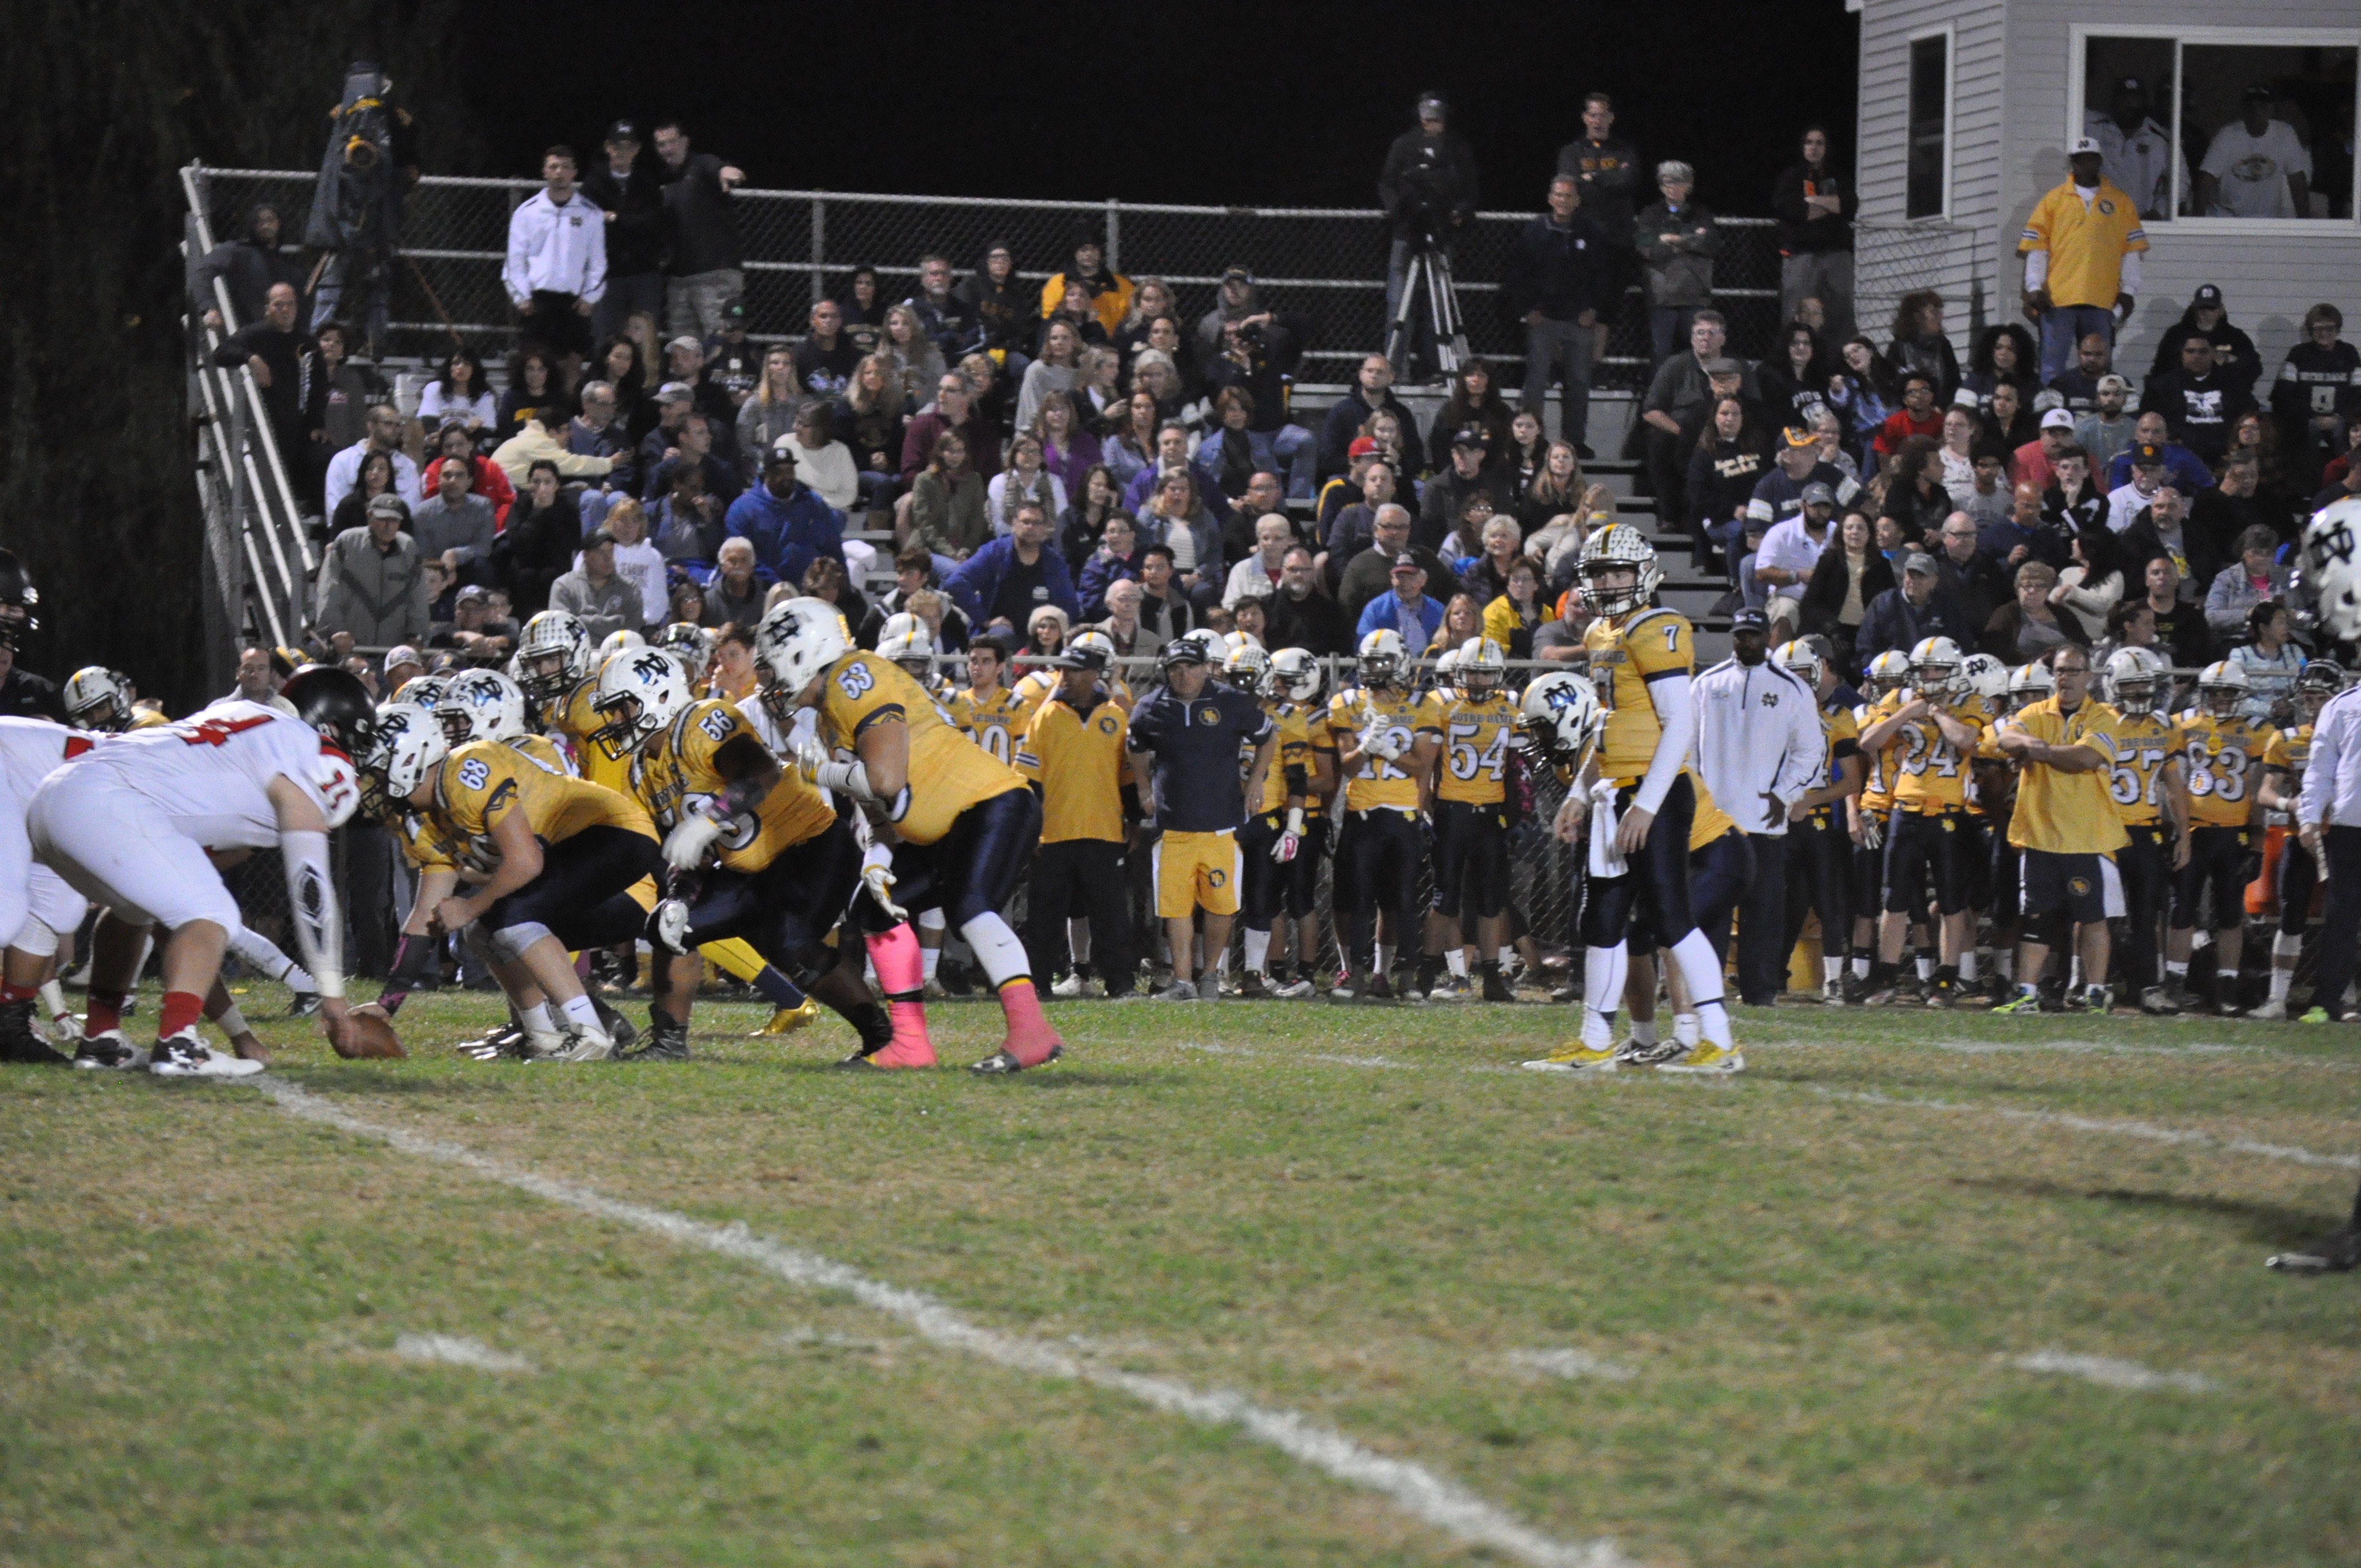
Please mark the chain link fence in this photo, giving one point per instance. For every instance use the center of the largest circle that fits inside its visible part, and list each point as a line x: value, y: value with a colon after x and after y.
x: 801, y: 245
x: 1890, y: 259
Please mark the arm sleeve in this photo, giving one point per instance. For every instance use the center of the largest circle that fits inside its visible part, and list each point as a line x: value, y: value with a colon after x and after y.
x: 517, y: 275
x: 311, y: 902
x: 2036, y: 270
x: 2131, y: 272
x: 1676, y: 724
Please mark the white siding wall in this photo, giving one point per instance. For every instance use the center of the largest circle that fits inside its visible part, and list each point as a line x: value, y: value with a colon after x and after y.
x: 2270, y: 281
x: 1961, y: 268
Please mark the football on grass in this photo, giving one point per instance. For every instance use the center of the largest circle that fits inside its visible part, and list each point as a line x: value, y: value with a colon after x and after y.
x: 370, y: 1037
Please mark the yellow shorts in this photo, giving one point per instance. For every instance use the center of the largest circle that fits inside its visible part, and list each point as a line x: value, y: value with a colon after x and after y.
x: 1196, y: 871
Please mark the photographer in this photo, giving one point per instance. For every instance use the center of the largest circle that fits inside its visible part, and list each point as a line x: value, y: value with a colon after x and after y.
x: 1428, y: 190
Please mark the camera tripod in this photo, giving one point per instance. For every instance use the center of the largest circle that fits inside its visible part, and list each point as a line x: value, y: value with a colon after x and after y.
x: 1428, y: 274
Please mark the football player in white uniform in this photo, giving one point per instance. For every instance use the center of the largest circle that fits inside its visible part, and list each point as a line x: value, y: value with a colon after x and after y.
x: 35, y: 907
x: 128, y: 824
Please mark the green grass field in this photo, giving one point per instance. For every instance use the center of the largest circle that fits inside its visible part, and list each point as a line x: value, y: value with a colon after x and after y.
x: 1778, y: 1320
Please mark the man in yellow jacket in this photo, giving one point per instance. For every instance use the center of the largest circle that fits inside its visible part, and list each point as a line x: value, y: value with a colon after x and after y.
x: 2082, y: 249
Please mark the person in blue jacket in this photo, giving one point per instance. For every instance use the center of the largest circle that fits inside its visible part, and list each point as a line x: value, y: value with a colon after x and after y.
x: 1009, y: 578
x: 787, y: 522
x: 1405, y: 610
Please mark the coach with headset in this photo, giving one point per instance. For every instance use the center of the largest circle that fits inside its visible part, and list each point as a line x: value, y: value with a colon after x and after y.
x: 1760, y: 748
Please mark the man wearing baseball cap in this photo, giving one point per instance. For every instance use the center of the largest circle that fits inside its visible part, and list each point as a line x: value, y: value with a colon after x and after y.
x: 1917, y: 608
x: 2208, y: 316
x: 2082, y: 249
x: 2107, y: 429
x: 2031, y: 462
x: 627, y: 191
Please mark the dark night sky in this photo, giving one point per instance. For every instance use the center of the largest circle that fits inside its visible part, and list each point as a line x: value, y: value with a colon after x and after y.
x: 1268, y: 104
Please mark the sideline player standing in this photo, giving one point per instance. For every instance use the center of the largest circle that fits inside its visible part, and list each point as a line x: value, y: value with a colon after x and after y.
x: 1641, y: 659
x: 1377, y: 728
x: 1465, y: 739
x: 2066, y: 823
x: 1273, y: 837
x: 1072, y: 750
x: 2223, y: 751
x: 1939, y: 726
x: 2150, y: 794
x: 1195, y: 727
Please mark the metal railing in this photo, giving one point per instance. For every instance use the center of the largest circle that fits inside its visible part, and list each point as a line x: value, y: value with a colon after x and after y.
x: 803, y: 244
x: 259, y: 558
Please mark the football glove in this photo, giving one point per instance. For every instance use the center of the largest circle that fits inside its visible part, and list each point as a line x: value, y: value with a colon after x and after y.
x: 684, y: 847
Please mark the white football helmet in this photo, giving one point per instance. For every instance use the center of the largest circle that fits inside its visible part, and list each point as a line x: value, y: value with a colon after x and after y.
x: 1986, y: 678
x: 553, y: 656
x: 423, y: 691
x: 907, y: 641
x: 97, y: 699
x: 2331, y: 565
x: 1935, y: 667
x: 641, y: 691
x: 1446, y: 670
x: 1295, y: 674
x: 480, y: 705
x: 2135, y: 680
x: 691, y: 644
x: 1097, y: 642
x: 2222, y: 688
x: 1483, y: 666
x: 1243, y: 664
x: 2029, y: 684
x: 1801, y: 660
x: 408, y: 748
x: 1383, y: 660
x: 1618, y: 545
x: 1562, y: 717
x: 1889, y: 672
x: 798, y: 640
x: 621, y: 640
x: 1209, y: 644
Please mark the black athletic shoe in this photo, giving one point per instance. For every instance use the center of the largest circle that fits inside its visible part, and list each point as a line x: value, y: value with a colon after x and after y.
x: 304, y: 1005
x: 1381, y: 989
x: 1495, y: 987
x: 623, y: 1032
x: 667, y: 1041
x: 2335, y: 1253
x: 17, y: 1041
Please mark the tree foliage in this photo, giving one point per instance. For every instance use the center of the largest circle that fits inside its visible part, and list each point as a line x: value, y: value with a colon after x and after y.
x: 104, y: 102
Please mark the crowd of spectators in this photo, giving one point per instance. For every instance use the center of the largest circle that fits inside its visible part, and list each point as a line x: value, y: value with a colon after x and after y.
x: 1083, y: 447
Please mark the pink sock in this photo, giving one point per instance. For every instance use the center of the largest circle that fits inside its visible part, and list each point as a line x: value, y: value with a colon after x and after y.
x: 900, y: 970
x: 1030, y: 1038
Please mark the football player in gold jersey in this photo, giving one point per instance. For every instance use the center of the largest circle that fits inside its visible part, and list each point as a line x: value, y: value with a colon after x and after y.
x: 1939, y: 725
x: 2147, y: 785
x: 558, y: 672
x: 990, y: 709
x: 2222, y: 751
x: 1275, y: 827
x: 1296, y: 679
x: 1882, y: 681
x: 564, y: 862
x: 1376, y: 725
x: 1642, y: 660
x: 2066, y: 825
x: 1466, y: 739
x: 1073, y: 751
x: 2298, y: 869
x: 1816, y: 849
x: 963, y: 823
x: 756, y: 852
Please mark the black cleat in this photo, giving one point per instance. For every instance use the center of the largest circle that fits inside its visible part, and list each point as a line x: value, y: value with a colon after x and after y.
x: 667, y: 1041
x: 17, y: 1041
x: 304, y: 1005
x: 2336, y: 1253
x: 625, y: 1033
x: 1381, y: 989
x: 1000, y: 1064
x: 1495, y: 987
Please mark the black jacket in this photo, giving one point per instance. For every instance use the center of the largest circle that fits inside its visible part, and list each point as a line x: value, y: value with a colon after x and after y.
x: 635, y: 238
x: 1345, y: 417
x: 1314, y: 623
x: 249, y: 269
x: 2234, y: 360
x: 2199, y: 410
x: 698, y: 229
x: 1004, y: 312
x: 24, y: 695
x: 1609, y: 172
x: 536, y: 549
x: 1798, y: 237
x: 293, y: 362
x: 1555, y: 269
x: 1432, y: 180
x: 1824, y: 596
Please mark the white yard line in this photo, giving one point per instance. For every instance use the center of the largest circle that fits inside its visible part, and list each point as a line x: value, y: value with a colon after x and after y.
x: 1431, y: 1499
x: 454, y: 1350
x: 1570, y: 1364
x: 2111, y: 1373
x: 2110, y: 1126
